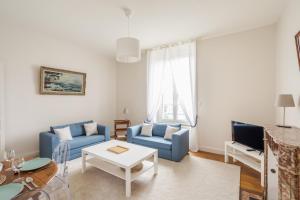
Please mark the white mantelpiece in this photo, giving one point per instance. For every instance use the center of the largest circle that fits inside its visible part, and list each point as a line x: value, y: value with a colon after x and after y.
x: 282, y: 163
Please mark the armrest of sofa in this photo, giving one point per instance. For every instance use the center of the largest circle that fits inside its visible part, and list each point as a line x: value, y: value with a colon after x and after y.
x: 180, y: 144
x: 133, y: 131
x: 104, y: 130
x: 48, y: 142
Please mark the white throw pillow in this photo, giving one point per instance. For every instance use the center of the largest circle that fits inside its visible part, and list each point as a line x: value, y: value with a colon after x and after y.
x: 63, y: 133
x: 147, y: 130
x: 169, y: 132
x: 91, y: 128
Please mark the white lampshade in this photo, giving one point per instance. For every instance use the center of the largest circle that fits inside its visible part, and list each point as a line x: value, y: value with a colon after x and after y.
x: 285, y: 100
x: 128, y: 50
x: 125, y: 111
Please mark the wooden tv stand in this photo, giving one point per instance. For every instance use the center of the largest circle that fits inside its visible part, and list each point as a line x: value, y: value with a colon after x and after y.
x: 253, y: 159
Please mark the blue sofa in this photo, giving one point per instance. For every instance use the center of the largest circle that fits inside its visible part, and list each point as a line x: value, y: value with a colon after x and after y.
x: 174, y: 149
x: 48, y: 139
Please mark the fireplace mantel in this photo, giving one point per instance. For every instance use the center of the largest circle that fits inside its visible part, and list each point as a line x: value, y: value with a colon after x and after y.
x: 284, y: 143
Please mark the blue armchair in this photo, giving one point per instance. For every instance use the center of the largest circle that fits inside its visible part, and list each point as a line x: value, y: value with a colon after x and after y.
x: 174, y: 149
x: 48, y: 139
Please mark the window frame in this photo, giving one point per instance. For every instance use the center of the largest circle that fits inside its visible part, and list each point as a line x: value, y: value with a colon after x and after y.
x: 175, y: 106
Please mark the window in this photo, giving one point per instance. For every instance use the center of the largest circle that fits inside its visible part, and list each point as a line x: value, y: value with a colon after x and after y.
x: 171, y: 86
x: 170, y: 109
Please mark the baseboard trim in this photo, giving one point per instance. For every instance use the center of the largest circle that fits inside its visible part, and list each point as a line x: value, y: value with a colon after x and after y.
x: 211, y: 150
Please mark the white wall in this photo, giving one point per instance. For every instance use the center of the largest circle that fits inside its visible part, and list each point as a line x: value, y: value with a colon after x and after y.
x: 2, y: 111
x: 131, y: 90
x: 287, y: 67
x: 235, y: 81
x: 27, y: 112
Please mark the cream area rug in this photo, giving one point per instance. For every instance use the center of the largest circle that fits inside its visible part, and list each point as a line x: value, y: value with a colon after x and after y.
x: 192, y: 178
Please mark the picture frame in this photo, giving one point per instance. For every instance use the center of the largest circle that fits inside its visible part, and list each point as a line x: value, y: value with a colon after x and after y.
x: 61, y: 82
x: 297, y: 38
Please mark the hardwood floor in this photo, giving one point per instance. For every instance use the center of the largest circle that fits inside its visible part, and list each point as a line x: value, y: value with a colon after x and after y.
x: 250, y: 179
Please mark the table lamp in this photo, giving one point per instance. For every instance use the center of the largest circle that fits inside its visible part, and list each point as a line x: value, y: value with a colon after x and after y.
x: 125, y: 112
x: 284, y: 101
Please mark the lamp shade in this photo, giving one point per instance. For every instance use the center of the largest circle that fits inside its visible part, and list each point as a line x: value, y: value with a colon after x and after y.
x: 125, y: 111
x: 128, y: 50
x: 285, y: 100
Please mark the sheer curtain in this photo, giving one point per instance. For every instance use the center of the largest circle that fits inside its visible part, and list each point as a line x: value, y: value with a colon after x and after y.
x: 181, y: 61
x: 155, y: 74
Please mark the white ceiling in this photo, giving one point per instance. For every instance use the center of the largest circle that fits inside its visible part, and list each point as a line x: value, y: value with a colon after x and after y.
x: 98, y: 23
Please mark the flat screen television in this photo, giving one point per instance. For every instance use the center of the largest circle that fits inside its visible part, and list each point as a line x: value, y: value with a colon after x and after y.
x: 248, y: 134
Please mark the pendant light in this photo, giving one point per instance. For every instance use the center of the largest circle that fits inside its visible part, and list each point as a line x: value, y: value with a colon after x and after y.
x: 128, y: 48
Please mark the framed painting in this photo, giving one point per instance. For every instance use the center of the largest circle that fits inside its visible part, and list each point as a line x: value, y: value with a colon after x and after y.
x: 61, y: 82
x: 297, y: 37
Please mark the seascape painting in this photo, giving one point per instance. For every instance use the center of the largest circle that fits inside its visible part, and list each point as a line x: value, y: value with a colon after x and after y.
x: 61, y: 82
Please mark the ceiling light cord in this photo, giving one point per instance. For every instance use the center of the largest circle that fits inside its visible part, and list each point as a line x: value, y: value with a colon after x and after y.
x: 128, y: 26
x: 128, y: 13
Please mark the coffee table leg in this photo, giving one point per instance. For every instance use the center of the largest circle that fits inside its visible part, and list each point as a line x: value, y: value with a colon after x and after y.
x: 128, y: 182
x: 155, y: 160
x: 83, y: 161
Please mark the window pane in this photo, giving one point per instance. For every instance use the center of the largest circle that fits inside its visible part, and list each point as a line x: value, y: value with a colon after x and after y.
x: 167, y: 112
x: 180, y: 114
x: 170, y: 110
x: 167, y: 103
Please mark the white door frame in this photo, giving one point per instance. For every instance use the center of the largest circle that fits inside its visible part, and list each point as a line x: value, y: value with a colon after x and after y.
x: 2, y: 109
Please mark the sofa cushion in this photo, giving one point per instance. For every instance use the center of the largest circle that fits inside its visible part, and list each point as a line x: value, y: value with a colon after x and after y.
x: 63, y: 133
x: 147, y: 130
x: 81, y: 141
x: 154, y: 142
x: 159, y: 129
x: 90, y: 128
x: 77, y: 129
x: 169, y: 132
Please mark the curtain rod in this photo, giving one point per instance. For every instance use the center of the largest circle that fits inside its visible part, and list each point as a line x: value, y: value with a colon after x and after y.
x: 171, y: 44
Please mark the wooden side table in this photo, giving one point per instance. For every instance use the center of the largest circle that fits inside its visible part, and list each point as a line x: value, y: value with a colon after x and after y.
x: 124, y: 123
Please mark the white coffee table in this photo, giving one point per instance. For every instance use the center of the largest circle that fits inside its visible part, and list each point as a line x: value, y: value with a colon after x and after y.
x: 99, y: 157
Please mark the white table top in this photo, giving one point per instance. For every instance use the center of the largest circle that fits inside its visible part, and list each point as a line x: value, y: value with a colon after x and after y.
x: 130, y: 158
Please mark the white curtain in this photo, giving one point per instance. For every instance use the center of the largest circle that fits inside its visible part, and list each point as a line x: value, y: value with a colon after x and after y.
x: 181, y: 61
x: 183, y: 65
x: 155, y: 74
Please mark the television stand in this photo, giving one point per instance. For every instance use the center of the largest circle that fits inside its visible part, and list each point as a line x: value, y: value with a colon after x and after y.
x: 253, y: 159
